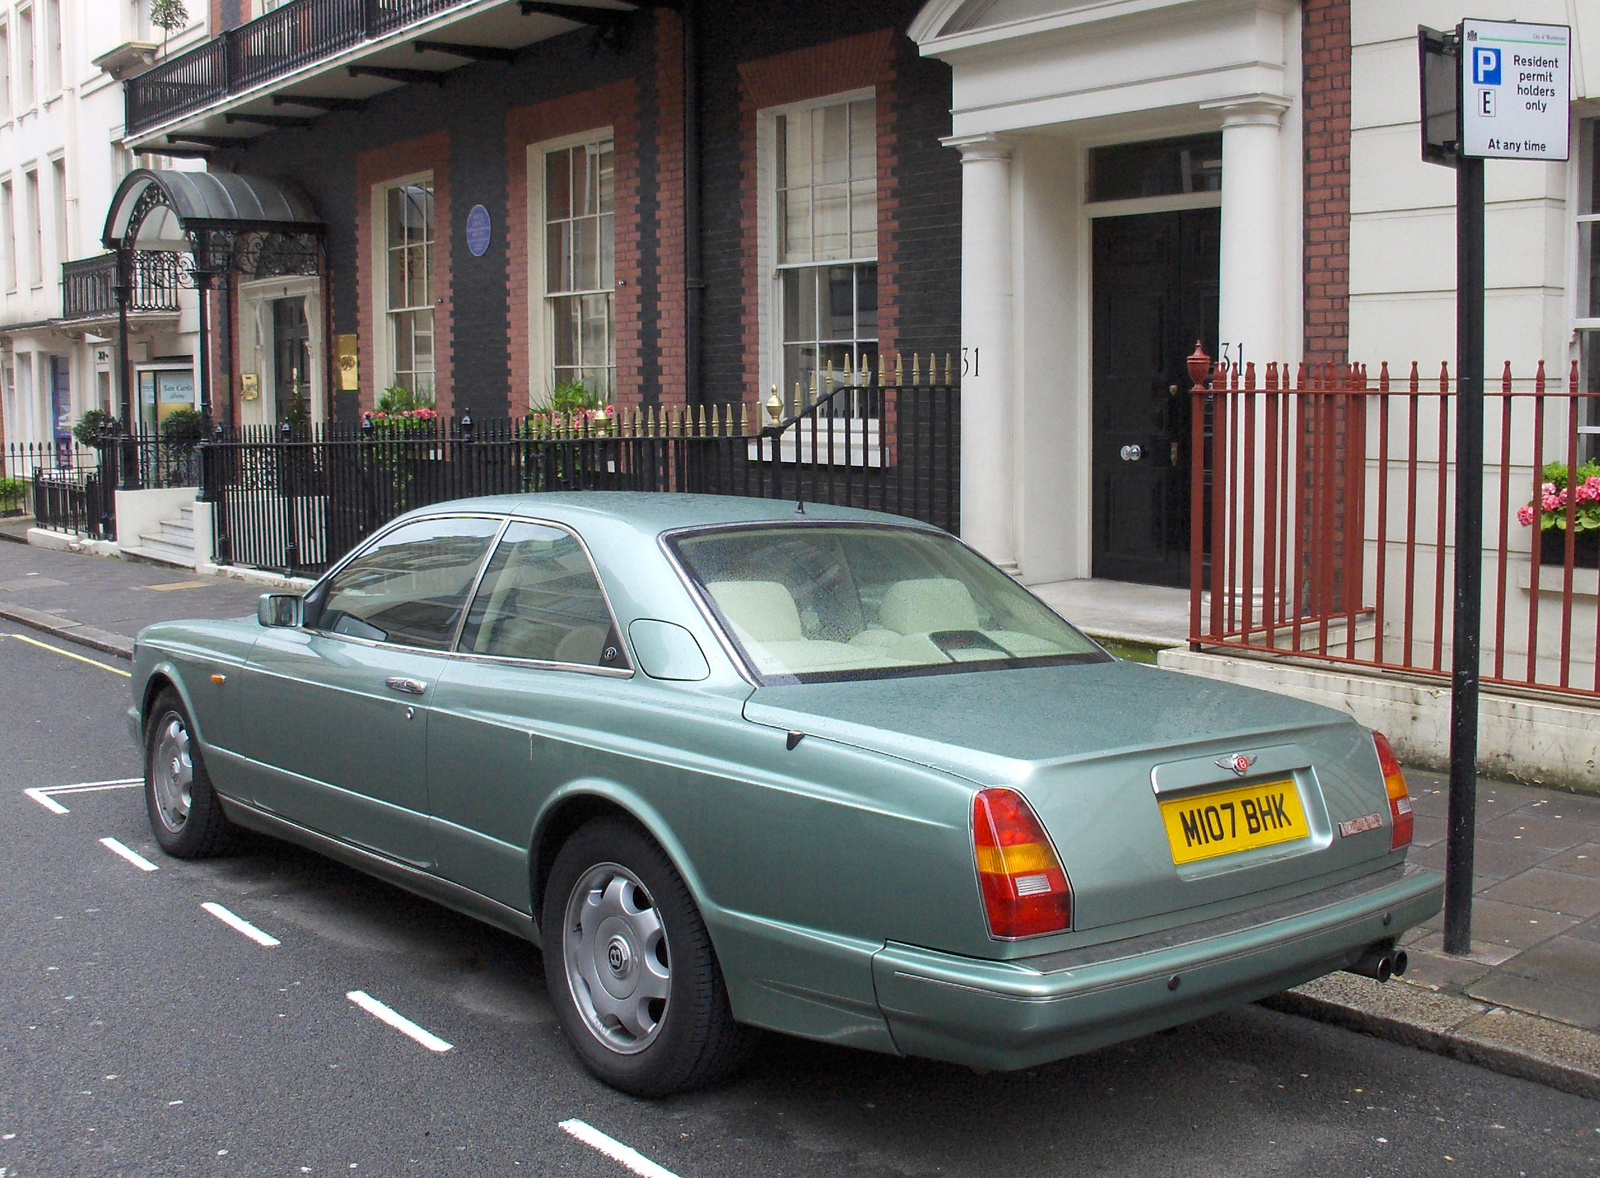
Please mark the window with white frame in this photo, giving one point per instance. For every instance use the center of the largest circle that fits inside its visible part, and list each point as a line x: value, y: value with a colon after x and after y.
x: 5, y: 70
x: 826, y: 209
x: 52, y: 47
x: 33, y: 233
x: 408, y: 290
x: 24, y: 58
x: 1587, y: 291
x: 58, y: 198
x: 8, y: 236
x: 580, y: 301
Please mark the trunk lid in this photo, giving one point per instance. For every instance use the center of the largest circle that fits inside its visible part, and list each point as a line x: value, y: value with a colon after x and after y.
x: 1097, y: 749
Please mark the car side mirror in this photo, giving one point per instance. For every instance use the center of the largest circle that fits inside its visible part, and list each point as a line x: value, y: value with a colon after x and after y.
x: 280, y: 609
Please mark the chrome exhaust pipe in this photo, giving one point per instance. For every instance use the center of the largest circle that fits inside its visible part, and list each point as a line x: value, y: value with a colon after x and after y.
x: 1381, y: 961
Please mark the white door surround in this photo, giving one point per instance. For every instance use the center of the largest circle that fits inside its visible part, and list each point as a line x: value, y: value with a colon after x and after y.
x: 1035, y: 87
x: 256, y: 352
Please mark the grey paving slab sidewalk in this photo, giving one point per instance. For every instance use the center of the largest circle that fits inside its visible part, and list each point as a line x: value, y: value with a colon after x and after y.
x: 1527, y: 1001
x: 107, y: 601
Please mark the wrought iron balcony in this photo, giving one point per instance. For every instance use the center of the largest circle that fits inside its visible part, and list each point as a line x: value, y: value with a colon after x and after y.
x: 89, y: 286
x: 272, y: 46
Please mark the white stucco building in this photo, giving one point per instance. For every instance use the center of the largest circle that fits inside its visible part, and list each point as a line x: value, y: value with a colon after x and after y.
x: 61, y: 157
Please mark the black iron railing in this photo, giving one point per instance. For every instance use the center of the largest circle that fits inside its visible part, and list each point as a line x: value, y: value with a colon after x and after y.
x: 89, y: 285
x: 64, y: 488
x: 296, y: 503
x: 284, y: 40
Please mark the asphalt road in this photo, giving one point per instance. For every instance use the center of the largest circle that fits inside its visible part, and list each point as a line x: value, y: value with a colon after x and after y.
x: 145, y: 1036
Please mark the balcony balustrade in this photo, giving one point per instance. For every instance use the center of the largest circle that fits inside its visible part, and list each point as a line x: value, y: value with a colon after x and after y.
x: 89, y: 285
x: 272, y: 46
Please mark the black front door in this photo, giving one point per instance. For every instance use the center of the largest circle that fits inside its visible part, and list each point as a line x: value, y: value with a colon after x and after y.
x: 291, y: 345
x: 1155, y: 294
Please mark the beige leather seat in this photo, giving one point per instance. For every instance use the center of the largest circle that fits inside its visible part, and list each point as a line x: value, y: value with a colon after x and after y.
x: 767, y: 623
x: 928, y: 605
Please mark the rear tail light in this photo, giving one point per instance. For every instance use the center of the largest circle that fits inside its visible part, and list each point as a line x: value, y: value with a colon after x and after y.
x: 1025, y: 891
x: 1399, y: 796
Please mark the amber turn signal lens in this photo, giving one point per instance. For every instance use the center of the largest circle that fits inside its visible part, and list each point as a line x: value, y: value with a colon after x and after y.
x: 1025, y: 890
x: 1394, y: 781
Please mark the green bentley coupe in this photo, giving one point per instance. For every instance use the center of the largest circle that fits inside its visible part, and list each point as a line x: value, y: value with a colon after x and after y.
x: 739, y: 764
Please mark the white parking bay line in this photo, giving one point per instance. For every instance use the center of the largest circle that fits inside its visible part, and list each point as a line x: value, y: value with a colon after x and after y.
x: 46, y: 801
x: 129, y: 854
x: 623, y: 1155
x: 240, y: 924
x: 45, y: 794
x: 398, y: 1021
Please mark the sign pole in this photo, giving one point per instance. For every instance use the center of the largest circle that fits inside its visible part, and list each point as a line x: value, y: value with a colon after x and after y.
x: 1493, y: 90
x: 1469, y: 558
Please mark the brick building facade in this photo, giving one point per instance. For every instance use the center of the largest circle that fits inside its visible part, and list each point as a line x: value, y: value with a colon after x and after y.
x: 733, y: 261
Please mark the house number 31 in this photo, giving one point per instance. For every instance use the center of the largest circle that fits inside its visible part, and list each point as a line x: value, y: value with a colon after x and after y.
x: 969, y: 361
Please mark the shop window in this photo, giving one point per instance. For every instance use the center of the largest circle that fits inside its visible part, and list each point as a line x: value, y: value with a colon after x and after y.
x: 408, y: 292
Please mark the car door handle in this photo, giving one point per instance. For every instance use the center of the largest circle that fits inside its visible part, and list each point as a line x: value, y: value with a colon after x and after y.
x: 406, y: 686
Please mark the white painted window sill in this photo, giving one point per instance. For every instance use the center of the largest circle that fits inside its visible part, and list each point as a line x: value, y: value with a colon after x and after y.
x: 1552, y: 579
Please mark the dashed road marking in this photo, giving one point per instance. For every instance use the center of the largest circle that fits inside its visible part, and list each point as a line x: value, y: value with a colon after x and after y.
x: 623, y: 1155
x: 398, y: 1021
x: 240, y: 924
x: 129, y: 854
x: 45, y: 794
x: 67, y: 654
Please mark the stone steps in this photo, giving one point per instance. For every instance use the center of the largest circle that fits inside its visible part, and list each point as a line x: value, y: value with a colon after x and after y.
x: 171, y: 543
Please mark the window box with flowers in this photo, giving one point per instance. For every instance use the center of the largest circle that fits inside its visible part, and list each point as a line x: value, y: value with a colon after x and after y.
x: 1551, y: 512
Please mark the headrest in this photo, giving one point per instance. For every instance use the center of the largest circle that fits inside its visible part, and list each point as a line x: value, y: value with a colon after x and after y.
x: 763, y: 610
x: 928, y: 605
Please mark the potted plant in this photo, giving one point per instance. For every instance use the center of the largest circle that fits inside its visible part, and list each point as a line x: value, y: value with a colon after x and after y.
x: 1551, y: 511
x: 95, y: 430
x: 571, y: 408
x: 11, y: 495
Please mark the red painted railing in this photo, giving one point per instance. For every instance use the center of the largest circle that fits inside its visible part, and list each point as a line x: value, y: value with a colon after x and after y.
x: 1322, y: 522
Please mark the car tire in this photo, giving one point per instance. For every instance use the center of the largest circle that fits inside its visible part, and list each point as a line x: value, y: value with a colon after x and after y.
x: 631, y: 969
x: 184, y: 812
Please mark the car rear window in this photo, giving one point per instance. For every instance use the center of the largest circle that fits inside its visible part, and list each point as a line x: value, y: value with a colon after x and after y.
x: 819, y: 602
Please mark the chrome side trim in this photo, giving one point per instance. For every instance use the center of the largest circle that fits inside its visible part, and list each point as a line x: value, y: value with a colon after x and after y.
x: 421, y: 883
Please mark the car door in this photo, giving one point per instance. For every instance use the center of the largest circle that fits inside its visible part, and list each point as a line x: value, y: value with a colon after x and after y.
x: 338, y: 708
x: 539, y: 664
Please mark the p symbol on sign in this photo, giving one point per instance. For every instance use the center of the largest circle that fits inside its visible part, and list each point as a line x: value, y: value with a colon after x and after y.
x: 1485, y: 66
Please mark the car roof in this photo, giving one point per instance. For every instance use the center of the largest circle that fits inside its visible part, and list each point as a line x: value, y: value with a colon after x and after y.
x: 654, y: 512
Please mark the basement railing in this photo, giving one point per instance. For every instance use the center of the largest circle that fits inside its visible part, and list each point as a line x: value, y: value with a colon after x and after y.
x: 1322, y: 519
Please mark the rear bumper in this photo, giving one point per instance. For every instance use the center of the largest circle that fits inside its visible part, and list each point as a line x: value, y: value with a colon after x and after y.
x: 1015, y: 1014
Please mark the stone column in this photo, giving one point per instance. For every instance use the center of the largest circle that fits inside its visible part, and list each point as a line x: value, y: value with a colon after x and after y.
x: 1252, y: 289
x: 988, y: 394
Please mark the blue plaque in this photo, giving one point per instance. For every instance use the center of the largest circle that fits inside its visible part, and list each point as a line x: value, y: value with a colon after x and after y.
x: 478, y: 231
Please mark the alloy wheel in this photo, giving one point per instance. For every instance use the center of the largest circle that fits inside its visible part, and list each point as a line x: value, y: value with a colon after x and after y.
x: 172, y: 771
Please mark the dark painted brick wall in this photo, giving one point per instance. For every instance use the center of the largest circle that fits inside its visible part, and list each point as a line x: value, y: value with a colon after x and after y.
x: 472, y: 105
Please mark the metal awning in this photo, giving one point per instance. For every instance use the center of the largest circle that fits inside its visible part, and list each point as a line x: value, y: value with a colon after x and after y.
x: 164, y: 210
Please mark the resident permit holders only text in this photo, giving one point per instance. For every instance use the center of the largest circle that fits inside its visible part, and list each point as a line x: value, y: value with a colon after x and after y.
x: 1515, y: 90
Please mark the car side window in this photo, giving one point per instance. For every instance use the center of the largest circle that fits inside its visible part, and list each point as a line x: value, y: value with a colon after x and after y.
x: 410, y: 586
x: 539, y: 600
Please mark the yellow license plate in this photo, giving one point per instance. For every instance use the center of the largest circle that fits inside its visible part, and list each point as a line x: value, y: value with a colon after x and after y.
x: 1205, y: 826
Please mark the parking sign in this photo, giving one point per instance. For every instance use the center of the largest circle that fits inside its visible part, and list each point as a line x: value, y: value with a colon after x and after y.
x: 1515, y: 90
